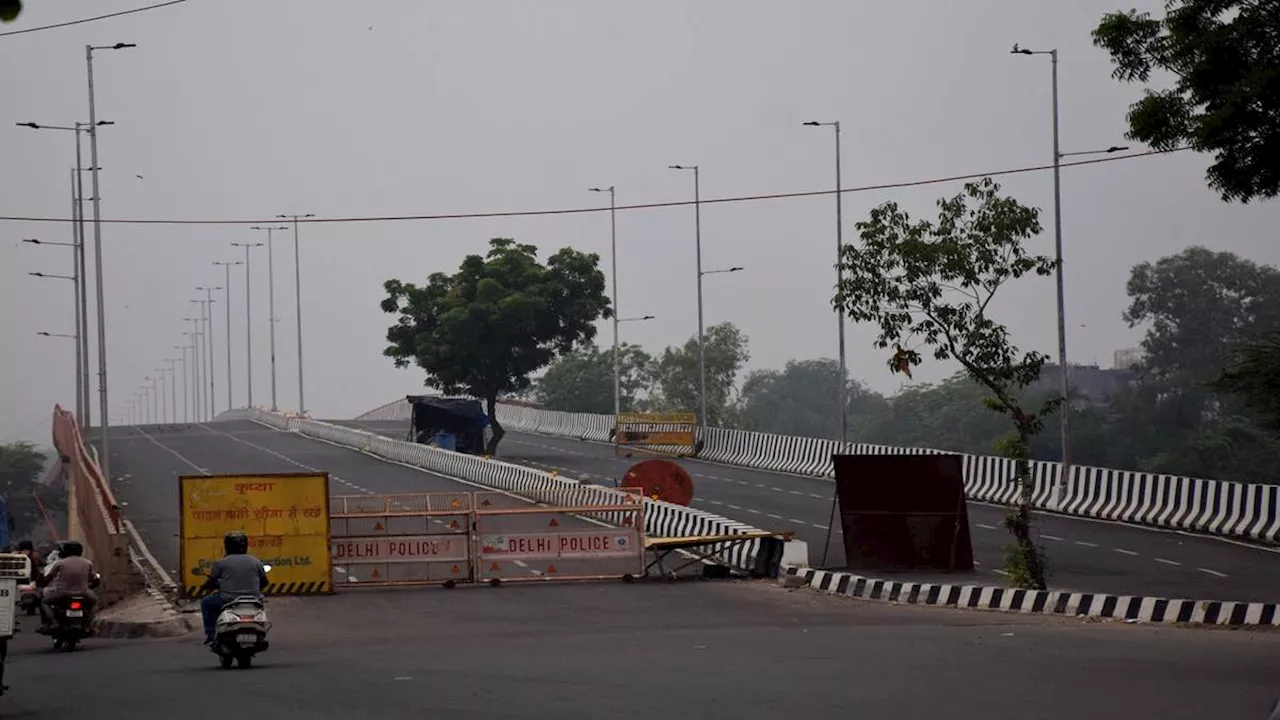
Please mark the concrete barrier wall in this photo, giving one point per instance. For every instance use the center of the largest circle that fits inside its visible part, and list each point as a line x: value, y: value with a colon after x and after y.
x: 94, y: 516
x: 1243, y: 510
x: 661, y: 519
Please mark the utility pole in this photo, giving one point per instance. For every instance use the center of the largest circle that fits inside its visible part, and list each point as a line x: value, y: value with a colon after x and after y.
x: 297, y: 286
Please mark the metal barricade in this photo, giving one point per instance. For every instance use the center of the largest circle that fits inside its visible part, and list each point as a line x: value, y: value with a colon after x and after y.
x: 658, y: 433
x: 410, y: 539
x: 602, y: 538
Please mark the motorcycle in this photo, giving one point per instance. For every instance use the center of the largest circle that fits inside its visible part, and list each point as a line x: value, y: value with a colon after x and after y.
x: 29, y: 598
x: 241, y: 630
x: 69, y: 622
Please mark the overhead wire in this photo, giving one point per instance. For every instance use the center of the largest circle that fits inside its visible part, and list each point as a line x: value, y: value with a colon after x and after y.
x: 605, y: 208
x: 89, y: 19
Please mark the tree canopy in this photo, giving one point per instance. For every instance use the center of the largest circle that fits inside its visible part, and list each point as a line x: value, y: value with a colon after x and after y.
x: 485, y: 329
x: 677, y: 373
x: 582, y: 380
x: 22, y: 467
x: 10, y: 10
x: 802, y: 399
x: 930, y: 285
x: 1253, y: 374
x: 1224, y: 56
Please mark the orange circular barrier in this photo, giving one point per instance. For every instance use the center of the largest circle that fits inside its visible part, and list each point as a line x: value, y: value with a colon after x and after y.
x: 661, y: 480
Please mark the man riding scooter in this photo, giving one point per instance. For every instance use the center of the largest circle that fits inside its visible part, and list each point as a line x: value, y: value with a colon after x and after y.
x: 72, y: 574
x: 238, y: 574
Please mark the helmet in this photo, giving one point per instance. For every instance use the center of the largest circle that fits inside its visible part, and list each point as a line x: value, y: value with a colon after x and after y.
x: 235, y: 543
x: 71, y: 548
x: 26, y: 545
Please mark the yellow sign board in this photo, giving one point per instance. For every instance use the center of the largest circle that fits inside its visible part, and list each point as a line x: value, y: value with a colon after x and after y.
x: 285, y: 515
x: 656, y: 431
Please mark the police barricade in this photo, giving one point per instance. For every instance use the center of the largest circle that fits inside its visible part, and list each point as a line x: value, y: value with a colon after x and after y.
x: 600, y: 539
x: 411, y: 539
x: 663, y: 433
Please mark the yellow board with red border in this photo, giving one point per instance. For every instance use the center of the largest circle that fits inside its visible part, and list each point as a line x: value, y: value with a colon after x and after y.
x: 285, y: 515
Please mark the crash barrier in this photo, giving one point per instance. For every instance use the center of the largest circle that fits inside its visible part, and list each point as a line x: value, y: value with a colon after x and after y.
x: 93, y: 512
x: 663, y: 433
x: 285, y: 515
x: 660, y: 519
x: 1243, y: 510
x: 405, y: 539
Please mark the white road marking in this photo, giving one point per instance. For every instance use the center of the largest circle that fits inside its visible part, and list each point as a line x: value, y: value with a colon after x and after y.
x: 1086, y: 544
x: 795, y: 492
x: 1125, y: 552
x: 998, y: 570
x: 815, y: 495
x: 984, y: 526
x: 1168, y: 562
x: 733, y: 507
x: 820, y: 527
x: 775, y: 517
x: 1052, y: 537
x: 757, y: 512
x: 715, y: 502
x: 1212, y: 572
x: 796, y: 520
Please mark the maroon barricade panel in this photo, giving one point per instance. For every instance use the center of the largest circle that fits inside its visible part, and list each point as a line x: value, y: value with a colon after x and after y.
x: 901, y: 512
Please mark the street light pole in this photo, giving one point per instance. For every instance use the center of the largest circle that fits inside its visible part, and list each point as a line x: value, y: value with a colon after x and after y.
x: 271, y: 303
x: 702, y: 340
x: 173, y: 389
x: 843, y: 391
x: 248, y: 321
x: 613, y: 260
x: 297, y: 288
x: 81, y: 398
x: 208, y: 306
x: 105, y: 459
x: 227, y: 297
x: 161, y: 409
x: 197, y: 381
x: 186, y: 407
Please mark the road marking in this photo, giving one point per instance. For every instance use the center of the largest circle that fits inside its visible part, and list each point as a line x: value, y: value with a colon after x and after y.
x: 715, y: 502
x: 1052, y: 537
x: 757, y: 512
x: 776, y: 489
x: 986, y: 527
x: 1212, y: 572
x: 733, y: 507
x: 1086, y: 544
x: 820, y: 527
x: 775, y: 517
x: 795, y: 492
x: 815, y: 495
x: 175, y: 453
x: 1126, y: 552
x: 796, y: 520
x: 1168, y: 562
x: 998, y: 570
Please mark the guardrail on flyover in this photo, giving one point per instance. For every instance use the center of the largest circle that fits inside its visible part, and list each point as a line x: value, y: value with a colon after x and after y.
x: 1249, y: 511
x: 93, y: 514
x: 661, y: 519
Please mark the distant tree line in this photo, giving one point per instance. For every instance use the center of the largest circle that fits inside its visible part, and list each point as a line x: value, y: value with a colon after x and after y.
x: 1204, y: 400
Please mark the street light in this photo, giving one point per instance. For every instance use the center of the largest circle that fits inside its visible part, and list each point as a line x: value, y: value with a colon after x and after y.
x: 843, y: 390
x: 186, y: 407
x: 702, y: 354
x: 97, y: 251
x: 197, y: 380
x: 227, y: 296
x: 297, y: 289
x: 635, y: 319
x: 1064, y: 384
x: 160, y: 409
x: 208, y: 307
x: 173, y: 388
x: 82, y: 377
x: 59, y: 335
x: 613, y: 260
x: 248, y: 321
x: 271, y: 303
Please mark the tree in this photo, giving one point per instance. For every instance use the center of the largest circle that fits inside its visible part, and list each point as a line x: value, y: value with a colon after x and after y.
x: 22, y: 466
x: 932, y: 284
x: 677, y: 373
x: 1253, y: 373
x: 10, y: 10
x: 483, y: 330
x: 1225, y: 98
x: 801, y: 399
x: 582, y: 381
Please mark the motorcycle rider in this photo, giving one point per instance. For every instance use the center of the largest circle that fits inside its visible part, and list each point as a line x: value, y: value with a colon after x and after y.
x: 71, y: 574
x: 237, y: 574
x: 28, y: 548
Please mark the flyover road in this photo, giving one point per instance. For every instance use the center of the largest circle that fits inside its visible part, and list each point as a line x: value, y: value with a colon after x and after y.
x: 697, y: 650
x: 147, y: 461
x: 1084, y: 555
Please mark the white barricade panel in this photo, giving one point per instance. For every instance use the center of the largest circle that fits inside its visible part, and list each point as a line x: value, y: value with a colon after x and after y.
x: 401, y: 539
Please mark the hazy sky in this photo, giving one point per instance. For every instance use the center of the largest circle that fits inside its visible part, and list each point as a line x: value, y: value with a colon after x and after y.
x: 239, y: 110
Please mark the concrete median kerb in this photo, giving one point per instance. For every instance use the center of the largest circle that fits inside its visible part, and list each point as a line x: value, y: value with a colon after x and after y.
x: 1094, y: 606
x: 144, y: 614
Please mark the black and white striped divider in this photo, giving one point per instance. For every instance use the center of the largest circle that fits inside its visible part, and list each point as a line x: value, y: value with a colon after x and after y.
x: 661, y: 519
x: 1047, y: 602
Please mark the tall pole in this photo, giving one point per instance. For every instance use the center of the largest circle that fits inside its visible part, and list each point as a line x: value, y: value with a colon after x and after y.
x: 163, y: 404
x: 248, y: 321
x: 844, y: 370
x: 227, y: 297
x: 613, y: 259
x: 83, y: 273
x: 297, y: 288
x: 271, y: 305
x: 155, y: 400
x: 197, y: 385
x: 702, y: 355
x: 1063, y: 381
x: 173, y: 390
x: 186, y: 408
x: 207, y: 307
x: 78, y: 274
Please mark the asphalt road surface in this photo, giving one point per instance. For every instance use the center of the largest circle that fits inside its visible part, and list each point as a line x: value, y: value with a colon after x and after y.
x: 147, y: 461
x: 1084, y: 555
x: 704, y: 650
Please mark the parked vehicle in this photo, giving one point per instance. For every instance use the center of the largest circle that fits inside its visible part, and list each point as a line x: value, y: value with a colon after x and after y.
x: 450, y: 423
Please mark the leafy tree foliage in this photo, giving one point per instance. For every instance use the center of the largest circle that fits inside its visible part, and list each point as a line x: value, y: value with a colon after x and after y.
x: 485, y: 329
x: 931, y: 283
x: 10, y: 10
x: 677, y: 373
x: 582, y: 381
x: 1254, y: 375
x: 22, y: 467
x: 1224, y: 56
x: 802, y: 399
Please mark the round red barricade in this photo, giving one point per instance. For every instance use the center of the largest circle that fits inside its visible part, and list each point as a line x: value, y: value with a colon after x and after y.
x: 662, y: 480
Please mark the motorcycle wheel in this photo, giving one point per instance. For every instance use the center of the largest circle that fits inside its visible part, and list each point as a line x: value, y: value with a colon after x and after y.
x: 225, y: 661
x: 245, y: 662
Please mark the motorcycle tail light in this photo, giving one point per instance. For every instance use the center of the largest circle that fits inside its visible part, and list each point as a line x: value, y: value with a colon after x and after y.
x: 75, y: 605
x: 246, y: 618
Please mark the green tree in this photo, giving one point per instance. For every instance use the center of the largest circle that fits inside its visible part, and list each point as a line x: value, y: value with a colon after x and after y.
x: 10, y: 10
x: 484, y: 329
x: 931, y: 284
x: 22, y: 468
x: 1224, y: 56
x: 801, y: 399
x: 582, y: 381
x: 677, y: 373
x: 1253, y: 374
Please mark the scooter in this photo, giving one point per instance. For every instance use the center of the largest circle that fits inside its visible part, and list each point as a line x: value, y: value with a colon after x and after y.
x: 69, y: 622
x: 241, y: 630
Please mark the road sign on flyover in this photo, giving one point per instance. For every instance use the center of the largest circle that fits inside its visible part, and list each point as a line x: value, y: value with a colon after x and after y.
x: 285, y: 515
